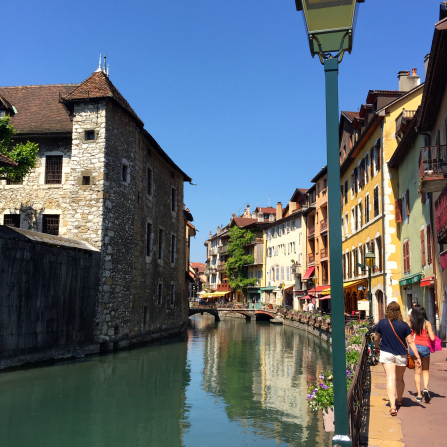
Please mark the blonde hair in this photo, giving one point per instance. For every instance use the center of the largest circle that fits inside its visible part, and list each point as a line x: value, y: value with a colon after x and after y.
x: 393, y: 311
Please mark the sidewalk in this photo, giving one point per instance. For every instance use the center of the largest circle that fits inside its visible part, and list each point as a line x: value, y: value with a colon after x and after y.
x: 416, y: 424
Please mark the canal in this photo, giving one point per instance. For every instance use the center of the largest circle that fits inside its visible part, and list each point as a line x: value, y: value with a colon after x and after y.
x: 231, y: 383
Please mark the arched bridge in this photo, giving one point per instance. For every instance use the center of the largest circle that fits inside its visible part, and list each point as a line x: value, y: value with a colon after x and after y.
x: 249, y: 314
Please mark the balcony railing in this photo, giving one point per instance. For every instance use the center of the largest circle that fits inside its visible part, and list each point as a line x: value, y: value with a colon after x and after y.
x: 323, y: 225
x: 221, y: 266
x: 433, y: 168
x: 441, y: 217
x: 222, y: 249
x: 311, y: 231
x: 311, y: 259
x: 324, y: 252
x: 224, y: 287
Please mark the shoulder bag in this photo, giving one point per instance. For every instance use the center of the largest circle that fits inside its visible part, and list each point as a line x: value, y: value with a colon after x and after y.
x: 410, y: 361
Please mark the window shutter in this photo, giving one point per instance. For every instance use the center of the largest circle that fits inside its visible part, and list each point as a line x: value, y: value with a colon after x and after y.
x: 398, y: 210
x: 405, y: 256
x: 422, y: 197
x: 422, y: 247
x: 407, y: 199
x: 429, y: 247
x: 378, y: 157
x: 371, y: 157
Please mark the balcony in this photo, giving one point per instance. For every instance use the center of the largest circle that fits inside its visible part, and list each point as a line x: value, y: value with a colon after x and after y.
x: 311, y: 259
x: 224, y: 287
x: 258, y: 240
x: 441, y: 217
x: 222, y: 249
x: 323, y: 225
x: 311, y: 231
x: 433, y: 168
x: 297, y: 269
x: 221, y: 267
x: 402, y: 122
x: 324, y: 253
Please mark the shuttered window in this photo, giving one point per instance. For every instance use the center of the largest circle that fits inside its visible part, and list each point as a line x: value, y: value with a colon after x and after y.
x: 429, y: 246
x: 379, y: 253
x: 406, y: 248
x: 422, y: 248
x: 407, y: 200
x: 398, y: 210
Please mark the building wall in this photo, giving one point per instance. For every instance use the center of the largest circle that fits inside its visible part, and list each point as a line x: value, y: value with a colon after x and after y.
x: 48, y: 299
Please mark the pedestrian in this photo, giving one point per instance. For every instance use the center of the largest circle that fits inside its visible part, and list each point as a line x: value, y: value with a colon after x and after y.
x: 414, y: 303
x: 394, y: 335
x: 421, y: 331
x: 305, y: 307
x: 310, y: 307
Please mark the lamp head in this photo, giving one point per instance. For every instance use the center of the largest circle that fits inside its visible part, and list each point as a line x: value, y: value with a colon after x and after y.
x: 329, y: 24
x: 370, y: 259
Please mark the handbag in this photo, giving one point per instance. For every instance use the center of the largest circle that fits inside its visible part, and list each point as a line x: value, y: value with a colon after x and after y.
x: 435, y: 345
x: 410, y: 361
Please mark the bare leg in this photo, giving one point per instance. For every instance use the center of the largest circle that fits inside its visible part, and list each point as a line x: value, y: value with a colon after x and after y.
x: 390, y: 372
x: 400, y: 384
x: 417, y: 377
x: 425, y: 370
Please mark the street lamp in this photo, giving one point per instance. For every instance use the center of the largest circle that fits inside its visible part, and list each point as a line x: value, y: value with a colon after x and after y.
x: 330, y: 29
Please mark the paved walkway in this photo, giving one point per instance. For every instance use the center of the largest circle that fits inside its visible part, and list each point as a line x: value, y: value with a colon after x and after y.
x: 416, y: 424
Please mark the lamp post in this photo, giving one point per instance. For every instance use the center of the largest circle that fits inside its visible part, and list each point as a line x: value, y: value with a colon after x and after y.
x: 370, y: 261
x: 330, y: 26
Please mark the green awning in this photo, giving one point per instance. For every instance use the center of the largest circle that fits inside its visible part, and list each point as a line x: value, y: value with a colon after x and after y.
x: 268, y: 288
x: 410, y: 279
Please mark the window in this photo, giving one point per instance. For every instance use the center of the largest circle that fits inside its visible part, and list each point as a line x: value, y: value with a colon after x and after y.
x: 173, y: 248
x: 372, y: 161
x: 379, y: 253
x: 353, y: 220
x: 422, y: 247
x: 356, y: 218
x: 53, y: 169
x: 125, y: 173
x: 89, y: 135
x: 85, y: 180
x: 173, y: 199
x: 376, y: 201
x: 398, y: 210
x: 366, y: 208
x: 406, y: 250
x: 160, y: 293
x: 149, y: 181
x: 11, y: 220
x: 50, y: 224
x: 429, y: 245
x: 360, y: 214
x: 367, y: 168
x: 277, y: 273
x: 172, y: 294
x: 149, y: 239
x: 160, y: 243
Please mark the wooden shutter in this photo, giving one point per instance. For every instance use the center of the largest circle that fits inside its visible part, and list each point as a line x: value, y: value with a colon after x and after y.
x: 405, y: 255
x: 398, y: 210
x: 355, y: 180
x: 371, y: 157
x: 422, y: 248
x: 407, y: 200
x: 378, y: 157
x: 429, y: 246
x: 422, y: 197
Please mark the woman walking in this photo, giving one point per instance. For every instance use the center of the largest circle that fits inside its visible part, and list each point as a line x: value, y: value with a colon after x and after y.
x: 394, y: 335
x: 421, y: 332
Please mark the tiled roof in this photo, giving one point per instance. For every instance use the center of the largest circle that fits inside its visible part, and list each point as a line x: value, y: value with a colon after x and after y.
x: 96, y: 86
x: 200, y: 266
x: 38, y: 109
x: 6, y: 162
x: 267, y: 210
x: 243, y: 221
x: 351, y: 115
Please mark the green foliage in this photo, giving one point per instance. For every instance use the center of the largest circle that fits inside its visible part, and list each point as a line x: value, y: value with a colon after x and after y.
x: 25, y: 155
x: 238, y: 258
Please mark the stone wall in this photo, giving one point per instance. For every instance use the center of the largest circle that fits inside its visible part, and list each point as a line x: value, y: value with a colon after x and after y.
x: 48, y: 299
x: 324, y: 332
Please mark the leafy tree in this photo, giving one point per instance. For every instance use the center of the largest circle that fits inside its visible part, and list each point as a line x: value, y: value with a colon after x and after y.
x: 238, y: 258
x: 25, y: 155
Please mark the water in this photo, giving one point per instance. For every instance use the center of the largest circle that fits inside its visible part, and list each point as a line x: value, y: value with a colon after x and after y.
x: 231, y: 383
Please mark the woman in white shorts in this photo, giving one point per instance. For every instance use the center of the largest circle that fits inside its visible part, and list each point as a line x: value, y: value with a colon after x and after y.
x: 394, y: 336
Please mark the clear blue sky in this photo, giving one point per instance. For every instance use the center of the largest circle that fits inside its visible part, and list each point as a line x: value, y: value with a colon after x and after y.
x: 227, y: 88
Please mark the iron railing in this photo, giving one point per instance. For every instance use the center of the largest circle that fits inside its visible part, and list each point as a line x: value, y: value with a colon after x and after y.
x: 355, y: 395
x: 433, y: 161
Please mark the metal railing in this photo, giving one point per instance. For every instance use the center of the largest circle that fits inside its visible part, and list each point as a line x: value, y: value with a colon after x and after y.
x: 311, y: 231
x: 311, y: 259
x: 433, y: 161
x: 355, y: 394
x: 323, y: 224
x: 324, y: 253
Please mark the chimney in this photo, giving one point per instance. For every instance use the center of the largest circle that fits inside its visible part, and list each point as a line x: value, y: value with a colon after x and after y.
x: 292, y: 206
x: 248, y: 211
x: 218, y: 230
x: 426, y: 61
x: 407, y: 82
x: 271, y: 217
x: 442, y: 11
x: 260, y: 216
x: 278, y: 210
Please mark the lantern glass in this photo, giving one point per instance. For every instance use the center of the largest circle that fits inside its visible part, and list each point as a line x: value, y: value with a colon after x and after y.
x: 370, y: 259
x: 329, y: 20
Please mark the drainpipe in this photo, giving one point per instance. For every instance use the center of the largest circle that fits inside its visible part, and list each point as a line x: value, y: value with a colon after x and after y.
x: 382, y: 160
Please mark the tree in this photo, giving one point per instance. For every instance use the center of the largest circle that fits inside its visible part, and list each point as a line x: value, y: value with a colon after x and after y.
x: 25, y: 155
x: 238, y: 258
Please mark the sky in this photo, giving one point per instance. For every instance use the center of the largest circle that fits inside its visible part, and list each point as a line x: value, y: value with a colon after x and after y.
x: 227, y: 88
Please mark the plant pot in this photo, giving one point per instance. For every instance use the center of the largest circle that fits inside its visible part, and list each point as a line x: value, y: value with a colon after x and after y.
x: 328, y: 420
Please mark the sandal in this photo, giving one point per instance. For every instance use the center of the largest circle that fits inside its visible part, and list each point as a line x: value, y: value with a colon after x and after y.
x: 393, y: 412
x: 419, y: 399
x: 400, y: 403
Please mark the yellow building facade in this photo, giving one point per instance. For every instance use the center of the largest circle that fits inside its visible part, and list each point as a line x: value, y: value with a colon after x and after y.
x: 367, y: 193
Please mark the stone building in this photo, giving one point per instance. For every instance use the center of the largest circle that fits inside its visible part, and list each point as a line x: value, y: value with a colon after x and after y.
x: 103, y: 179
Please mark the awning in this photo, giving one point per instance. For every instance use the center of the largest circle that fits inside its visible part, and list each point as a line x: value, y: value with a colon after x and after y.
x: 308, y: 273
x: 326, y: 297
x: 216, y: 294
x: 353, y: 283
x: 267, y: 288
x: 427, y: 281
x: 410, y: 279
x: 307, y: 297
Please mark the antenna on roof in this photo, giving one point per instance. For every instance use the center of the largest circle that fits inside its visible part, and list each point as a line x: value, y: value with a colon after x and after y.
x: 99, y: 66
x: 268, y: 199
x: 104, y: 68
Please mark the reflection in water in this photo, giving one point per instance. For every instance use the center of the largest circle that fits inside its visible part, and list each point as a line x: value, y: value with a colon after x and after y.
x: 229, y: 383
